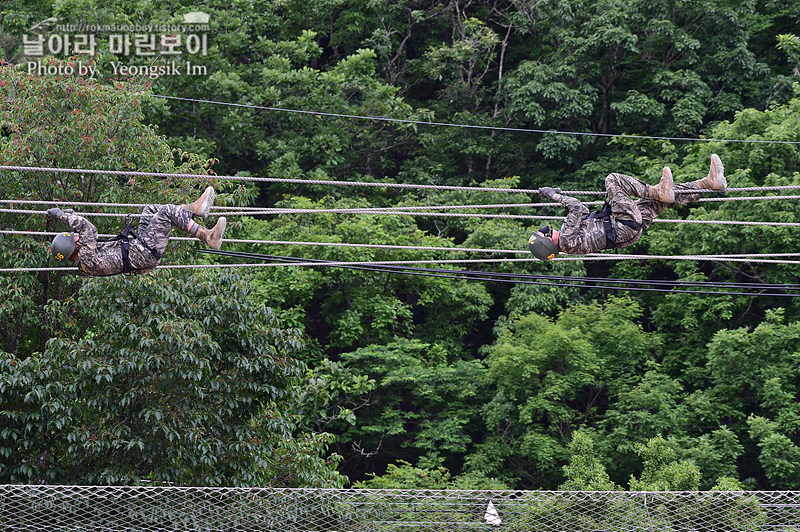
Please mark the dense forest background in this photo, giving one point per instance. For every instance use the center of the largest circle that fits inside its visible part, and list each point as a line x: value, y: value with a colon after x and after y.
x: 334, y: 377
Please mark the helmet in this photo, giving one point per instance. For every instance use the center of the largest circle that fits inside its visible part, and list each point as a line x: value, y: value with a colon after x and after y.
x: 63, y: 246
x: 542, y: 247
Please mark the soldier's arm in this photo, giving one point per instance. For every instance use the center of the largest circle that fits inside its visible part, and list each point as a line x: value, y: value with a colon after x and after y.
x: 87, y: 232
x: 576, y: 211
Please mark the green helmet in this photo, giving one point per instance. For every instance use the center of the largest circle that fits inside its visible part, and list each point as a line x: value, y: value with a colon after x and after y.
x: 63, y: 246
x: 542, y: 247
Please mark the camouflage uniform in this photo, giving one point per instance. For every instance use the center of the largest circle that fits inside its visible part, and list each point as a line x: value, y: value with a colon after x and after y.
x: 105, y: 258
x: 580, y: 234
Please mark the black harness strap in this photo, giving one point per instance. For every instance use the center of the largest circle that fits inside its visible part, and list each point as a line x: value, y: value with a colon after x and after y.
x: 125, y: 245
x: 608, y: 224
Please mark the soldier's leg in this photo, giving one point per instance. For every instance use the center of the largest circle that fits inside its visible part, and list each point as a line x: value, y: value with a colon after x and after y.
x: 686, y: 192
x: 157, y: 234
x: 202, y: 206
x: 649, y: 209
x: 713, y: 182
x: 147, y: 216
x: 159, y: 223
x: 619, y: 189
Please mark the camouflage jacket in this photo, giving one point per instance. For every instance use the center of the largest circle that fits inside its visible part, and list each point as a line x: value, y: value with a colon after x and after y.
x: 105, y: 258
x: 580, y: 234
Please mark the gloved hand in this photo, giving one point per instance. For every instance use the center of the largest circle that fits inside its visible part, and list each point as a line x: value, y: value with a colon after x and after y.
x: 549, y: 192
x: 55, y: 213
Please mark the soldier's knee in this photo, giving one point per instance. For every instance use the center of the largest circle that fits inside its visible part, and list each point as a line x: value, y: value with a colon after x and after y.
x: 611, y: 178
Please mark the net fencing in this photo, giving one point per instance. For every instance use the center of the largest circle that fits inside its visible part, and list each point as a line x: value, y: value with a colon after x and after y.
x: 184, y: 509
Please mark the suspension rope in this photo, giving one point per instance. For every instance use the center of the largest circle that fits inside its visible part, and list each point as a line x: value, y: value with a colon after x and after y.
x: 573, y: 281
x: 302, y: 243
x: 429, y: 215
x: 591, y: 256
x: 788, y: 286
x: 486, y: 276
x: 292, y: 210
x: 711, y: 258
x: 467, y: 126
x: 366, y: 210
x: 282, y: 180
x: 53, y: 169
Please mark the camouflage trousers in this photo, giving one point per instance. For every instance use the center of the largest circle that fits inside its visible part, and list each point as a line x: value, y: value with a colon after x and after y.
x: 157, y: 222
x: 620, y: 188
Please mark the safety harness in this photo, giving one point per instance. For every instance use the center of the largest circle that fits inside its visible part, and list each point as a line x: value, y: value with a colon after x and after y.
x: 608, y: 225
x: 125, y: 244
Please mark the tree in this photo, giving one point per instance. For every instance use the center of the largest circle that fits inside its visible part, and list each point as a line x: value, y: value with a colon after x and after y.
x: 403, y: 475
x: 551, y: 377
x: 182, y: 380
x: 425, y: 406
x: 585, y: 472
x: 662, y: 471
x: 754, y: 377
x: 350, y: 308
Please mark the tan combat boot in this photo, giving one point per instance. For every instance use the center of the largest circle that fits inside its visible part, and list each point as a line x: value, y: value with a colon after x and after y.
x: 212, y: 237
x: 202, y: 205
x: 715, y: 180
x: 663, y: 191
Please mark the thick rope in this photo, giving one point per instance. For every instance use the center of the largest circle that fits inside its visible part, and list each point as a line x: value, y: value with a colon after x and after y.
x: 710, y: 258
x: 302, y: 243
x: 348, y: 183
x: 429, y: 215
x: 220, y: 209
x: 409, y: 247
x: 288, y: 209
x: 281, y: 180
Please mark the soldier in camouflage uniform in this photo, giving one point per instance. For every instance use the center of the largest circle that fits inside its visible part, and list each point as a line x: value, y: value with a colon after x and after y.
x: 134, y: 251
x: 622, y: 220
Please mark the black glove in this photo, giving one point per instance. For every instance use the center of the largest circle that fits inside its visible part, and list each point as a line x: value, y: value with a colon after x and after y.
x: 549, y: 192
x: 55, y: 213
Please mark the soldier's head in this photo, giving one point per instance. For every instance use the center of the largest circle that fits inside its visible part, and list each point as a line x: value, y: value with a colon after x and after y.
x: 544, y: 243
x: 65, y: 246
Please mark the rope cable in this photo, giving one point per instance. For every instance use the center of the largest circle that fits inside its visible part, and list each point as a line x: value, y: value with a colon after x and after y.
x: 478, y: 278
x: 460, y: 261
x: 482, y: 275
x: 457, y: 274
x: 754, y: 257
x: 282, y: 180
x: 663, y: 282
x: 347, y: 183
x: 430, y: 215
x: 468, y: 126
x: 292, y: 210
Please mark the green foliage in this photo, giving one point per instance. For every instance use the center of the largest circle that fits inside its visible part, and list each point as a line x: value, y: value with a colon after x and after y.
x: 484, y: 380
x: 403, y: 475
x: 585, y: 472
x: 334, y: 393
x: 356, y: 308
x: 168, y: 379
x: 72, y: 122
x: 429, y: 403
x: 182, y: 381
x: 662, y: 472
x: 551, y: 377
